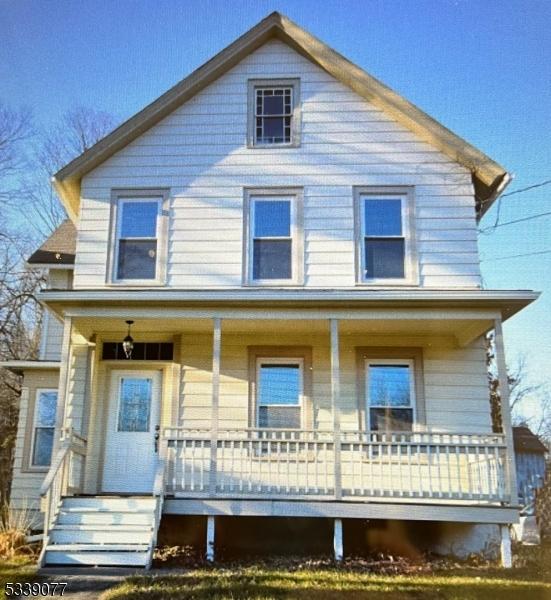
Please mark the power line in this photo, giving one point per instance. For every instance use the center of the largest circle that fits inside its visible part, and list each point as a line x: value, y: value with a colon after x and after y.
x: 516, y: 255
x: 493, y: 227
x: 519, y: 191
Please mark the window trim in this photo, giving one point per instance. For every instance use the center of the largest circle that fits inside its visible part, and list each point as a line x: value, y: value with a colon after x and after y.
x: 365, y: 354
x: 274, y: 360
x: 34, y: 427
x: 161, y: 267
x: 297, y: 236
x: 411, y: 265
x: 289, y: 353
x: 252, y: 85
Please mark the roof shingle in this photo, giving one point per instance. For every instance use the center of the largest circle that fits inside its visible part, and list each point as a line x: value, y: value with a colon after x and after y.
x: 59, y: 248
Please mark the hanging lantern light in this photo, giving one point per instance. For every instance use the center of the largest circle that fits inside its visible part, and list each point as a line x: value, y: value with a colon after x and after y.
x: 128, y: 342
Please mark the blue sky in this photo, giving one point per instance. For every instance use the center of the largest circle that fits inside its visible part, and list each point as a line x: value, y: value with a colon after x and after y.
x: 483, y: 68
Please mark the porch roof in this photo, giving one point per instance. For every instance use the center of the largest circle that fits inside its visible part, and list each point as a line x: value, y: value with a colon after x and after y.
x: 464, y: 314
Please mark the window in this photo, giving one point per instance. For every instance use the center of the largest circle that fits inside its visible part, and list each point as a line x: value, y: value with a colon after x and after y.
x: 274, y: 240
x: 134, y: 404
x: 390, y: 393
x: 386, y: 246
x: 274, y: 113
x: 139, y: 254
x: 279, y: 393
x: 44, y: 427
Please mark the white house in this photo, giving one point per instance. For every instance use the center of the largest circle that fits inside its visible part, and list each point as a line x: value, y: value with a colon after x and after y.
x: 296, y: 248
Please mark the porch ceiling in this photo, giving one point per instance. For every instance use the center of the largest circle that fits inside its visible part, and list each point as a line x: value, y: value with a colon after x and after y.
x: 463, y: 330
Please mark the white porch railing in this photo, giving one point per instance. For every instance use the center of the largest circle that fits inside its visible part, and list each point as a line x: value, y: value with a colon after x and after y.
x: 64, y: 478
x: 300, y: 464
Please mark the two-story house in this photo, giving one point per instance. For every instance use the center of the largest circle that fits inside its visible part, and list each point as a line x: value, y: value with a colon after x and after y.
x: 267, y: 302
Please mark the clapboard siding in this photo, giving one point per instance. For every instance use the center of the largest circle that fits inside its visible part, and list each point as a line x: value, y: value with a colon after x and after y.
x: 26, y: 482
x: 200, y: 153
x: 455, y: 380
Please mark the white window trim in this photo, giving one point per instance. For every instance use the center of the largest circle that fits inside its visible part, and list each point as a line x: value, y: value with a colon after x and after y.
x: 411, y: 266
x: 293, y: 83
x: 280, y: 361
x: 412, y: 395
x: 121, y: 376
x: 35, y: 426
x: 297, y: 235
x: 120, y: 197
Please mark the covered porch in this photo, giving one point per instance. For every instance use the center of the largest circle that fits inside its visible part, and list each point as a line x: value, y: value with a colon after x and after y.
x: 207, y: 441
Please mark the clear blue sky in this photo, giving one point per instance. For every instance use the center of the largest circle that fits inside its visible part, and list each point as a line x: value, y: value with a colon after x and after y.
x: 483, y: 68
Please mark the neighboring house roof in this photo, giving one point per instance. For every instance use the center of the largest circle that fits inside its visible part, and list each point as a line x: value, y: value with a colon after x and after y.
x: 59, y: 248
x: 489, y: 178
x: 526, y: 441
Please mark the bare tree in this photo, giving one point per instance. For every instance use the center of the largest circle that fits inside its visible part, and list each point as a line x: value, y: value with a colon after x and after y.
x: 20, y: 323
x: 15, y: 130
x: 78, y: 130
x: 530, y: 401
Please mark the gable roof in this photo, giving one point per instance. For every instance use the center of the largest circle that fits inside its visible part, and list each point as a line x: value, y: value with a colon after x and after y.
x: 59, y: 248
x: 489, y: 178
x: 526, y: 441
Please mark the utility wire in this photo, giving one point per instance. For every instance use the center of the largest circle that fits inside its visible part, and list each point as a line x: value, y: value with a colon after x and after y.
x: 519, y: 191
x: 515, y: 255
x: 493, y: 227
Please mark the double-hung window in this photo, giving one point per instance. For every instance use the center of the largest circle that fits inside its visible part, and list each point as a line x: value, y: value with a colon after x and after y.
x: 279, y: 397
x: 274, y: 240
x: 386, y: 246
x: 390, y: 393
x: 139, y: 239
x: 274, y: 115
x: 43, y: 427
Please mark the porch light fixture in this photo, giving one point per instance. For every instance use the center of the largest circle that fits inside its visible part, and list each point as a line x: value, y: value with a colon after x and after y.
x: 128, y: 342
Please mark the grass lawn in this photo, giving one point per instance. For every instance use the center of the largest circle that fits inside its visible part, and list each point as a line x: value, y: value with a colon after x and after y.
x: 265, y: 583
x: 18, y: 569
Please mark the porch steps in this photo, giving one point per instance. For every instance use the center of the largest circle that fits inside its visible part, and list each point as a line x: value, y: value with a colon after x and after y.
x: 103, y: 531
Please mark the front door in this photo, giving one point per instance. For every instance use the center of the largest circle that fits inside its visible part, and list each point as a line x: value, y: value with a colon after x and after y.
x: 132, y: 421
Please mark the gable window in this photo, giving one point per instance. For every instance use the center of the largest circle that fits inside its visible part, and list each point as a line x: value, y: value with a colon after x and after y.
x: 43, y: 427
x: 386, y: 246
x: 139, y: 239
x: 274, y: 112
x: 390, y: 394
x: 279, y: 393
x: 274, y: 239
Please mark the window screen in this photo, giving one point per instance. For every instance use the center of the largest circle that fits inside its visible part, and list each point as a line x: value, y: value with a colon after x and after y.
x: 383, y: 238
x: 137, y: 239
x: 389, y: 394
x: 279, y: 395
x: 44, y: 427
x: 272, y: 244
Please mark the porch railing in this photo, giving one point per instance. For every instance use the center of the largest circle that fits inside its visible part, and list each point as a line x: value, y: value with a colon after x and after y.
x: 300, y: 464
x: 64, y: 478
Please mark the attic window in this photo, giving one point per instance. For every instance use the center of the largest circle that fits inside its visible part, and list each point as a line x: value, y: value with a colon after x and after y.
x: 274, y: 114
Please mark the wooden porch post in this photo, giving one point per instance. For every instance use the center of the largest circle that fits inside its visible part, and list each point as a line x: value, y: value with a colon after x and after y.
x: 216, y: 350
x: 338, y: 546
x: 210, y: 538
x: 506, y: 554
x: 63, y: 387
x: 510, y: 469
x: 335, y: 405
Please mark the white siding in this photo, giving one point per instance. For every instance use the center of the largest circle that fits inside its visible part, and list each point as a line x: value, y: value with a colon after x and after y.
x: 450, y: 404
x: 52, y: 327
x: 26, y: 482
x: 200, y: 152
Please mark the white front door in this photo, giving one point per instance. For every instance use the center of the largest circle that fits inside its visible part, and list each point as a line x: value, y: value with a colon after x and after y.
x: 132, y: 422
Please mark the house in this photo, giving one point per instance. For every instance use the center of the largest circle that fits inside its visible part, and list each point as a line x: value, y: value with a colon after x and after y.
x: 530, y: 455
x: 272, y: 308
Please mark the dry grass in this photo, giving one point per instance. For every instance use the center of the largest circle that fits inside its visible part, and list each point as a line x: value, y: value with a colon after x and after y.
x: 15, y: 525
x: 319, y: 579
